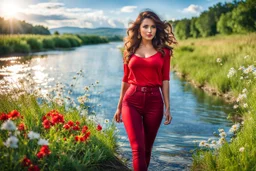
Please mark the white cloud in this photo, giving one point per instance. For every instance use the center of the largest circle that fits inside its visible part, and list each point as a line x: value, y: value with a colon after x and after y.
x: 128, y: 8
x: 193, y: 9
x: 55, y: 14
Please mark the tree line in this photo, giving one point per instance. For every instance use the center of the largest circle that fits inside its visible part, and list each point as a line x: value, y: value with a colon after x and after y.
x: 13, y: 26
x: 227, y: 18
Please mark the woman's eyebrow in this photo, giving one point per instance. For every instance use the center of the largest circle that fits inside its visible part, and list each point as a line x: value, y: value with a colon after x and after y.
x: 147, y: 25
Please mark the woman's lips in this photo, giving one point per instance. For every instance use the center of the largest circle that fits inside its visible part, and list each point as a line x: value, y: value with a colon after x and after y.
x: 149, y: 35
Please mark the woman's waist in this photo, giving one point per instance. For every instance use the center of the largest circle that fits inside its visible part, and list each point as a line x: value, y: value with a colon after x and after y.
x: 145, y: 88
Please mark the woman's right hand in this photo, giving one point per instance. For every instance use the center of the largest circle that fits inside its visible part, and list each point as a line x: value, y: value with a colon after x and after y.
x: 117, y: 116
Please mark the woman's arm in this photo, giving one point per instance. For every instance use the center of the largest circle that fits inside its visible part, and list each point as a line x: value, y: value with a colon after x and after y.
x: 124, y: 87
x: 165, y: 90
x: 117, y: 116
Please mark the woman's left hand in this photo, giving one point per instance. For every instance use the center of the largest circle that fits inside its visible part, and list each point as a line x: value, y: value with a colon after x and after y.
x: 168, y: 117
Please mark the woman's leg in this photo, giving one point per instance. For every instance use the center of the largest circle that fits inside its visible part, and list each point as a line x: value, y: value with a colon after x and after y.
x: 134, y: 127
x: 152, y: 121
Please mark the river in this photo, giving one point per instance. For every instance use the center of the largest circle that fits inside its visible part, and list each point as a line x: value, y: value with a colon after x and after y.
x: 196, y: 115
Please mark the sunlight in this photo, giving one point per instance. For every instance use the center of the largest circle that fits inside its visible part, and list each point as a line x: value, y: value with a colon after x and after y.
x: 10, y: 9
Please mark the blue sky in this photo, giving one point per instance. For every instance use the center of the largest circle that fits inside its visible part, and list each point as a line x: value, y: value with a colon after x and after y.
x: 98, y: 13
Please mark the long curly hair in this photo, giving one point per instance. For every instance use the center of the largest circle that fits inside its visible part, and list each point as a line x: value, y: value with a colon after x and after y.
x: 164, y: 37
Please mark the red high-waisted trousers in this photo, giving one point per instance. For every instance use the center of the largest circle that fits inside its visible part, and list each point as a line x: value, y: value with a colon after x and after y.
x: 142, y: 113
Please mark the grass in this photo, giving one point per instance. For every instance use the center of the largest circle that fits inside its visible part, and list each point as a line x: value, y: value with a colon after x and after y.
x: 33, y: 43
x: 226, y: 63
x: 28, y: 105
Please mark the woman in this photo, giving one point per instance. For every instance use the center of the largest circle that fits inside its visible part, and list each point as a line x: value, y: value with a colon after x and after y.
x: 145, y: 84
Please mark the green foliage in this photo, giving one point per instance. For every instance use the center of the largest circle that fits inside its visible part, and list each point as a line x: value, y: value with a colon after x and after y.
x: 27, y: 43
x: 35, y: 44
x: 224, y: 26
x: 15, y: 26
x: 48, y: 43
x: 226, y: 18
x: 182, y: 29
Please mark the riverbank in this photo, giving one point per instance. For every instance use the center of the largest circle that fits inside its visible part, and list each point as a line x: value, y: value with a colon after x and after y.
x: 50, y: 131
x: 224, y: 66
x: 25, y: 44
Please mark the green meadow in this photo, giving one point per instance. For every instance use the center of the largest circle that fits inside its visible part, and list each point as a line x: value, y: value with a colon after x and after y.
x: 226, y: 64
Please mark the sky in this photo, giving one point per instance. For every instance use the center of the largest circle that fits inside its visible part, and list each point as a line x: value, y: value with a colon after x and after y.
x: 98, y: 13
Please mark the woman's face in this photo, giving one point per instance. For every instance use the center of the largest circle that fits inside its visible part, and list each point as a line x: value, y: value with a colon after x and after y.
x: 147, y: 29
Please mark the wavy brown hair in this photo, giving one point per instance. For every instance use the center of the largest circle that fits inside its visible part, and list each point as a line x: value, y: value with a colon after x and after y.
x: 164, y: 36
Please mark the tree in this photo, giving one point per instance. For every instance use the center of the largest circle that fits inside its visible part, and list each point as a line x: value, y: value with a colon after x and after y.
x: 194, y: 32
x: 182, y: 29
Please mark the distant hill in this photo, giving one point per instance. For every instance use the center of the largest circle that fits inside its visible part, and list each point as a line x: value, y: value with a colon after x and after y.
x: 101, y: 31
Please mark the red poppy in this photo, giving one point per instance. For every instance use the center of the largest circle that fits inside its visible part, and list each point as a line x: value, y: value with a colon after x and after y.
x: 34, y: 168
x: 66, y: 126
x: 43, y: 151
x: 4, y: 117
x: 85, y: 128
x: 99, y: 127
x: 26, y: 162
x: 46, y: 124
x: 21, y: 127
x: 76, y: 128
x: 14, y: 114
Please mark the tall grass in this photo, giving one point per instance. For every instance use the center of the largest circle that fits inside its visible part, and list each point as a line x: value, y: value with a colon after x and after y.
x: 31, y: 43
x: 225, y: 63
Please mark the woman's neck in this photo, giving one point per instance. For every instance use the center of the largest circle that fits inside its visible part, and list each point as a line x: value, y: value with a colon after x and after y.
x: 146, y: 43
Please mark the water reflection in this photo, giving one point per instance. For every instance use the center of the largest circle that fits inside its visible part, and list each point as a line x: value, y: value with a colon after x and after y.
x: 196, y: 115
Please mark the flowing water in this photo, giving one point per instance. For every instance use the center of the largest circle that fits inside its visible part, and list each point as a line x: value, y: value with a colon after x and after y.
x: 196, y: 115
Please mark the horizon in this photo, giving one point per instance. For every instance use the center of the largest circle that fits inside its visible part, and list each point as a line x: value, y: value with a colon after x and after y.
x: 94, y: 14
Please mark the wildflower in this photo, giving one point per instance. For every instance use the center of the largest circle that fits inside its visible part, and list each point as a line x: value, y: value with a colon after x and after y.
x: 8, y: 125
x: 33, y: 168
x: 221, y: 141
x: 234, y: 128
x: 218, y: 60
x: 46, y: 124
x: 245, y: 105
x: 76, y: 128
x: 26, y: 162
x: 231, y: 72
x: 21, y: 127
x: 81, y: 99
x: 84, y: 113
x: 223, y: 134
x: 241, y: 149
x: 106, y: 121
x: 70, y: 123
x: 221, y: 130
x: 66, y: 126
x: 214, y: 142
x: 4, y: 117
x: 33, y: 135
x: 235, y: 106
x: 84, y: 129
x: 44, y: 151
x: 81, y: 138
x: 14, y: 114
x: 86, y: 88
x: 241, y: 96
x: 246, y: 56
x: 202, y: 143
x: 11, y: 142
x: 244, y: 90
x: 43, y: 142
x: 99, y: 127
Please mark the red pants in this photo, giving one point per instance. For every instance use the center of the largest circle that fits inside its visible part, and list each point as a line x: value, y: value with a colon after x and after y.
x: 142, y: 113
